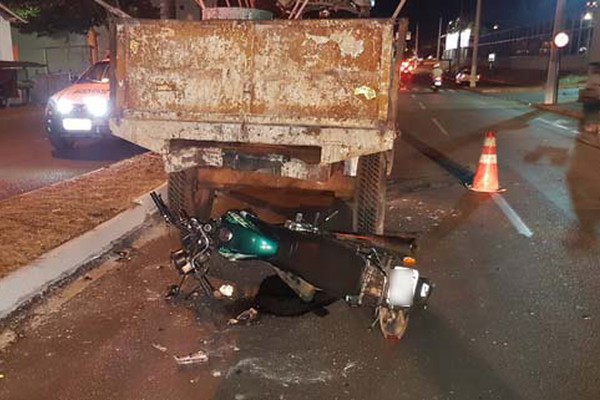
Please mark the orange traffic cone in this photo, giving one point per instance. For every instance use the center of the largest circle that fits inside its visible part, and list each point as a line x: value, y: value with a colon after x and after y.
x: 486, y: 178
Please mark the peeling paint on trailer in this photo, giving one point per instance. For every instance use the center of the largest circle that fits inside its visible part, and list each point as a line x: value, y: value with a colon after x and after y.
x: 336, y: 144
x: 285, y: 72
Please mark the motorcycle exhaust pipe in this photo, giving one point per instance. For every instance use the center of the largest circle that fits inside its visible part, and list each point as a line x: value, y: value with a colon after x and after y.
x: 398, y: 244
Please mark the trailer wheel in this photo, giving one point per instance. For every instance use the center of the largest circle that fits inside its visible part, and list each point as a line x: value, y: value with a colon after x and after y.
x: 370, y: 195
x: 185, y: 194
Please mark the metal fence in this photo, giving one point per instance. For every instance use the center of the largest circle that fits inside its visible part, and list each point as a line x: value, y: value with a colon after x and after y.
x: 535, y: 39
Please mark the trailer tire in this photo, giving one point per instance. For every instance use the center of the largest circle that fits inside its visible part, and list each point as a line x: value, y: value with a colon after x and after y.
x: 185, y: 195
x: 370, y: 194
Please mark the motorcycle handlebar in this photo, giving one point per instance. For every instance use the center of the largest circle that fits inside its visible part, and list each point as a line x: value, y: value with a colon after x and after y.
x: 165, y: 211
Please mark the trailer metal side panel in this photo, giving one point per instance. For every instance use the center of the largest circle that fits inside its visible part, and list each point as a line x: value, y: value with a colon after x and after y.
x: 325, y: 73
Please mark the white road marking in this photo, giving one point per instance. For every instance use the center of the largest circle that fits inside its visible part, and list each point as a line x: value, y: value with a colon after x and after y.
x: 452, y: 90
x: 440, y: 127
x: 512, y: 215
x: 555, y: 124
x: 422, y: 106
x: 412, y: 96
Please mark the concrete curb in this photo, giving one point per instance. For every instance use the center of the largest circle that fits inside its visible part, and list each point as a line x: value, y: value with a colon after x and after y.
x: 585, y: 138
x: 559, y: 111
x: 484, y: 90
x: 33, y: 279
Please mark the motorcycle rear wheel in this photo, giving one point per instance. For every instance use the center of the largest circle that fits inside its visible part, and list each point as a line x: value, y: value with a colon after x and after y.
x: 393, y: 323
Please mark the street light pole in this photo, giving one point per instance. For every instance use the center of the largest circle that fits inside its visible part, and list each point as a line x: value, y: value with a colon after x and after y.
x: 417, y: 41
x: 439, y: 42
x: 551, y: 92
x: 473, y: 80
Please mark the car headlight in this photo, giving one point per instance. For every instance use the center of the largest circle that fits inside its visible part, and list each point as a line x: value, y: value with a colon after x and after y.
x: 97, y: 106
x: 64, y: 106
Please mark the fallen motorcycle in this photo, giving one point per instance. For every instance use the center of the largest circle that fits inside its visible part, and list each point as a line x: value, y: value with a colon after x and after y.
x: 364, y: 270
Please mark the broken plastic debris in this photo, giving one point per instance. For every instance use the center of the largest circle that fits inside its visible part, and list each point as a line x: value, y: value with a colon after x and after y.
x: 190, y: 359
x: 216, y: 374
x: 350, y: 365
x: 124, y: 255
x: 247, y: 316
x: 159, y: 347
x: 226, y: 290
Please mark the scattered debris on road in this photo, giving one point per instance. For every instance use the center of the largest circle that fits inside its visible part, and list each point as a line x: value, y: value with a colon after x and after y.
x: 198, y: 357
x: 124, y: 255
x: 159, y: 347
x: 349, y: 366
x: 227, y: 290
x: 247, y: 316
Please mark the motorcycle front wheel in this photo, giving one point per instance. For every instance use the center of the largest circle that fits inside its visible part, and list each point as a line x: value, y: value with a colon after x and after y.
x: 392, y: 322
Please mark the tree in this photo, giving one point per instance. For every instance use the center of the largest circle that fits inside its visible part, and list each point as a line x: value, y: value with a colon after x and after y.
x: 48, y: 17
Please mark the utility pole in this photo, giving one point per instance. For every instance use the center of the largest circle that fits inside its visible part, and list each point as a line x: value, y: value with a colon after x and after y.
x: 473, y: 80
x: 417, y: 41
x: 439, y: 42
x: 551, y: 92
x: 593, y: 46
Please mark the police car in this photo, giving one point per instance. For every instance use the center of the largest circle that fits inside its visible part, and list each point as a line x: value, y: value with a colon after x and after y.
x: 81, y: 110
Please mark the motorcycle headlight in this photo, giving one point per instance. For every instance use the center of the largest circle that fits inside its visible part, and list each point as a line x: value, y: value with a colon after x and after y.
x: 64, y: 106
x: 97, y: 106
x: 402, y: 285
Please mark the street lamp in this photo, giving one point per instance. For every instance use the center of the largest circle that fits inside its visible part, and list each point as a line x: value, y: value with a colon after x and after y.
x: 561, y: 39
x: 551, y: 92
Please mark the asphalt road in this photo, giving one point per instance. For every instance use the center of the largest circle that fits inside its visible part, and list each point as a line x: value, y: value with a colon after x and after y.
x: 536, y: 95
x: 28, y: 162
x: 515, y: 313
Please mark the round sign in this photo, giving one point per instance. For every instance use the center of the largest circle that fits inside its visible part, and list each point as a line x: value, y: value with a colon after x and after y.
x: 561, y: 39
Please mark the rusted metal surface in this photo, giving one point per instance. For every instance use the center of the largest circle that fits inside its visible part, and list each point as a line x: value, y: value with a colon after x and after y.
x: 337, y: 144
x: 318, y: 72
x: 321, y: 83
x: 235, y: 13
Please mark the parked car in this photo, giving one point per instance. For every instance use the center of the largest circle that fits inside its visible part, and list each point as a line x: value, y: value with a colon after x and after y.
x: 81, y: 110
x: 463, y: 77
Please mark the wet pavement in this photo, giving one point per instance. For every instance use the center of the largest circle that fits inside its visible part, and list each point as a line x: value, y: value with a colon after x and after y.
x: 513, y: 315
x: 28, y: 162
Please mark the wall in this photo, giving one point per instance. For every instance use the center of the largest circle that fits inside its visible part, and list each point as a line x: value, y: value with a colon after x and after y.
x: 6, y: 46
x: 64, y: 53
x: 569, y: 63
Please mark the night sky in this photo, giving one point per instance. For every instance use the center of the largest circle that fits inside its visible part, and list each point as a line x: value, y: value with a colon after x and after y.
x: 506, y: 13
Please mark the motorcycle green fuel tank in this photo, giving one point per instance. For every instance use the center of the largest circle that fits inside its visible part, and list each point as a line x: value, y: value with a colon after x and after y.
x: 246, y: 241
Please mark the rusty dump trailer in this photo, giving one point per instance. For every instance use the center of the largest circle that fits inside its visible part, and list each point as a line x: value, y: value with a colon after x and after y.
x: 297, y: 106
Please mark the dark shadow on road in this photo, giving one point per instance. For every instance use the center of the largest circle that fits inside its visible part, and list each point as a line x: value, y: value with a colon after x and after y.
x: 466, y: 206
x: 584, y: 189
x: 463, y: 174
x: 517, y: 123
x: 556, y: 155
x: 112, y: 149
x: 452, y: 365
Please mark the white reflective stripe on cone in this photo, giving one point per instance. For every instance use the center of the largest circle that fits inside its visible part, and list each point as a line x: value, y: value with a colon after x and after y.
x: 488, y: 159
x: 490, y: 142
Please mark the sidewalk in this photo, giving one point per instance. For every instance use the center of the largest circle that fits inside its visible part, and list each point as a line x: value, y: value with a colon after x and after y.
x: 567, y: 105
